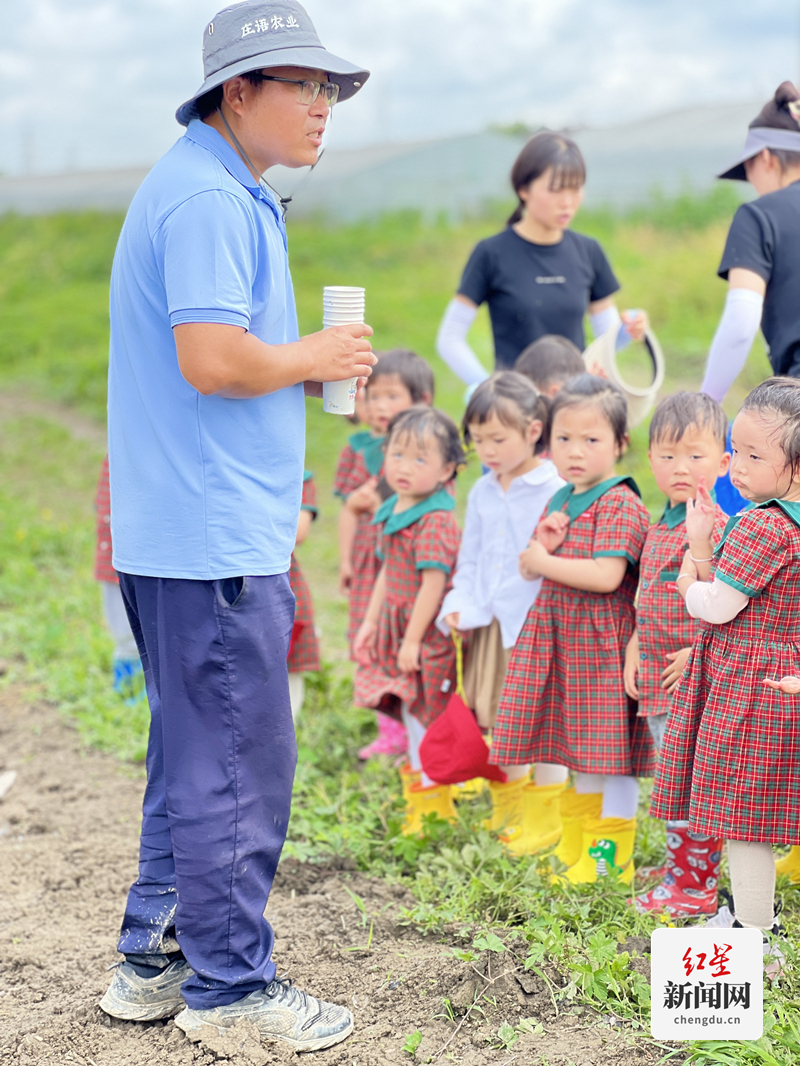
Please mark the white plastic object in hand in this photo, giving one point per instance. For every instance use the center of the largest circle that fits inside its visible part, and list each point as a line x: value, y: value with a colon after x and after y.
x: 601, y: 358
x: 342, y: 305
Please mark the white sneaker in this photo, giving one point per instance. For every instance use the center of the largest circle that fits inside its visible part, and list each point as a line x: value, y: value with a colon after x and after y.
x: 146, y: 999
x: 279, y: 1012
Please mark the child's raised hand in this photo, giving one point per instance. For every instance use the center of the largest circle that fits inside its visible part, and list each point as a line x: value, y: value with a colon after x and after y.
x: 674, y: 672
x: 364, y: 500
x: 630, y: 673
x: 408, y: 657
x: 700, y: 514
x: 364, y: 644
x: 789, y: 684
x: 552, y: 531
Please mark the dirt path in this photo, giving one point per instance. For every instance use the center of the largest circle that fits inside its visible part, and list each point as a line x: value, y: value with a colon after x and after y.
x: 68, y: 837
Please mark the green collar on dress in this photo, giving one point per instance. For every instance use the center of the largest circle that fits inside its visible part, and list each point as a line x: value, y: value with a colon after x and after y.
x: 437, y: 501
x: 578, y: 502
x: 307, y: 475
x: 371, y: 448
x: 791, y: 508
x: 673, y: 516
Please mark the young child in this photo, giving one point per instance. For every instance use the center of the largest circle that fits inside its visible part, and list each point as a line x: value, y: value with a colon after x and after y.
x: 564, y: 699
x: 304, y: 646
x: 732, y: 746
x: 550, y: 362
x: 687, y: 453
x: 405, y: 663
x: 400, y: 379
x: 505, y: 420
x: 127, y: 666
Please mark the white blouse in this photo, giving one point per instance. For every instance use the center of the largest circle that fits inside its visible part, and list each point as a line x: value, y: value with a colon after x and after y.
x: 487, y: 583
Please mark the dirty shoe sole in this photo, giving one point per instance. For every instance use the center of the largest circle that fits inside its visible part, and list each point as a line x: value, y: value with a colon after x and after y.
x: 273, y: 1023
x: 137, y: 999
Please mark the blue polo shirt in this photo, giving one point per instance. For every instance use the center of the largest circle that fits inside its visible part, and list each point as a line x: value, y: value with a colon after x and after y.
x: 201, y: 487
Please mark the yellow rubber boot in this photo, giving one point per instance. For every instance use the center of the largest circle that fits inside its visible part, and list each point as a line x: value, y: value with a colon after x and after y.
x: 606, y: 848
x: 541, y: 819
x: 575, y: 809
x: 506, y: 807
x: 422, y: 801
x: 789, y: 864
x: 469, y: 789
x: 408, y: 777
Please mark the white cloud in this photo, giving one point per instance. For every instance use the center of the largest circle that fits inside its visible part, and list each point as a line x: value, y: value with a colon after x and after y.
x: 97, y: 81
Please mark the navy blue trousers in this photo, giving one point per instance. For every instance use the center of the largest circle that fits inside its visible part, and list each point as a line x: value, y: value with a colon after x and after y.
x: 220, y: 766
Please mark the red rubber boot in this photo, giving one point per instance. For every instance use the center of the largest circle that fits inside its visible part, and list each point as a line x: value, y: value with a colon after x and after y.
x: 690, y: 883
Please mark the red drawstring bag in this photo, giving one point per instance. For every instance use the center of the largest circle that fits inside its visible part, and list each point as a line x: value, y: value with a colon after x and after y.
x: 453, y: 750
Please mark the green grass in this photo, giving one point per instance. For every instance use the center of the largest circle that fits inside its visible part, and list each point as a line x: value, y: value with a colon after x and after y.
x: 53, y: 344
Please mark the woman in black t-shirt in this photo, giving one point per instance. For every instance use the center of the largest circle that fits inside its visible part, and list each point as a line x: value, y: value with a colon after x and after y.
x: 537, y: 276
x: 761, y: 261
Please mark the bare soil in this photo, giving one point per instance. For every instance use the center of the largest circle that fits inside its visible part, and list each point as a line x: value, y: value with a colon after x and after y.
x: 68, y: 845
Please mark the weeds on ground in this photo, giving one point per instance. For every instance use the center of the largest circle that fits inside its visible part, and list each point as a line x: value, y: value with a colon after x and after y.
x: 51, y: 628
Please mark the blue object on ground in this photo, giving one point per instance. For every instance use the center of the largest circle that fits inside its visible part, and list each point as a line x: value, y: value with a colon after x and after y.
x: 129, y: 680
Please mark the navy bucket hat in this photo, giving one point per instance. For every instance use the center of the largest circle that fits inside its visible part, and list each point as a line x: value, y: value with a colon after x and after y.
x: 256, y: 35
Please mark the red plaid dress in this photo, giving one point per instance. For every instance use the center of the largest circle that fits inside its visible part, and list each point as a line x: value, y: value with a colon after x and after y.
x: 351, y: 474
x: 732, y: 746
x: 103, y: 569
x: 304, y: 647
x: 431, y: 541
x: 563, y: 698
x: 662, y: 621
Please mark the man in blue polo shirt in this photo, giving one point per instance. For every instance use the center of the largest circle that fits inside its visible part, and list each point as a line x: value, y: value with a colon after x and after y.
x: 206, y: 442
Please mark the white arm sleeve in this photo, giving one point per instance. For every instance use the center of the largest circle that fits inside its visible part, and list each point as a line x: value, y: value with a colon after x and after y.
x: 714, y: 601
x: 732, y: 341
x: 451, y: 343
x: 603, y: 321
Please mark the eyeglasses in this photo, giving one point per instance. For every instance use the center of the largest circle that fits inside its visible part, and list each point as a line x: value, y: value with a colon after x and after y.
x: 310, y: 90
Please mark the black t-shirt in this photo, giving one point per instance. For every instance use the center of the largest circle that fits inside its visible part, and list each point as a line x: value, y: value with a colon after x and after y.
x: 534, y: 289
x: 765, y: 237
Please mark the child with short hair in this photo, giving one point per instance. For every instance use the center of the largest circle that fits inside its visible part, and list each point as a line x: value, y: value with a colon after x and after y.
x: 550, y: 362
x: 405, y: 664
x: 505, y: 420
x: 687, y: 454
x: 564, y: 699
x: 731, y: 749
x: 399, y: 379
x: 303, y: 655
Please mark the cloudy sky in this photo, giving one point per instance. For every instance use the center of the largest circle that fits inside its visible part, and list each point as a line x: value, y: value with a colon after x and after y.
x: 94, y: 83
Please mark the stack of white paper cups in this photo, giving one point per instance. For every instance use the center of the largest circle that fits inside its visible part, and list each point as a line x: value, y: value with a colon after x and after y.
x: 342, y: 305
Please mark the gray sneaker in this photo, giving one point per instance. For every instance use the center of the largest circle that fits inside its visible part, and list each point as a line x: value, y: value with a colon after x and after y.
x: 146, y: 999
x: 279, y: 1012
